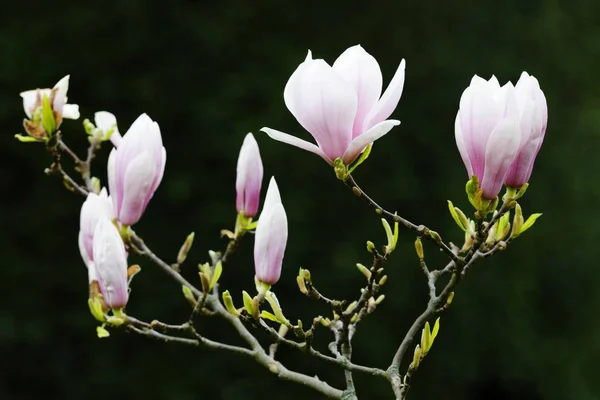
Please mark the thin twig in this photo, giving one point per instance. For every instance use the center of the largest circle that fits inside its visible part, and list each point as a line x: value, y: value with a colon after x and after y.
x: 420, y: 229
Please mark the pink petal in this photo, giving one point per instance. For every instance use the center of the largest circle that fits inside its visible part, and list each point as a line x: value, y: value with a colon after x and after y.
x: 136, y: 188
x: 500, y: 152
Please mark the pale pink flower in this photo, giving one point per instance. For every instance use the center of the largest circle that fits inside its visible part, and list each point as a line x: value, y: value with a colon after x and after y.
x: 135, y: 169
x: 271, y: 237
x: 249, y: 177
x: 487, y: 132
x: 341, y: 106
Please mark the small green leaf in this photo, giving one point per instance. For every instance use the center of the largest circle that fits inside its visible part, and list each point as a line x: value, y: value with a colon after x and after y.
x: 248, y: 303
x: 101, y: 332
x: 216, y: 274
x: 455, y: 216
x: 426, y: 338
x: 530, y: 221
x: 436, y: 326
x: 267, y: 315
x: 228, y: 301
x: 364, y: 270
x: 389, y: 235
x: 416, y: 357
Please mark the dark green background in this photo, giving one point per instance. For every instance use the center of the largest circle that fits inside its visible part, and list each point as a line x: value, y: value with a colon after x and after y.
x: 524, y: 324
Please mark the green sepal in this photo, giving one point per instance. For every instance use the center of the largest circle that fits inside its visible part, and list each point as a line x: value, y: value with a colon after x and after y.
x: 364, y: 155
x: 26, y: 139
x: 216, y: 274
x: 48, y: 121
x: 471, y: 189
x: 341, y: 170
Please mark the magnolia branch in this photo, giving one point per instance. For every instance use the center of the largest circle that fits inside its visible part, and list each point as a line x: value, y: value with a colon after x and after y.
x: 420, y: 229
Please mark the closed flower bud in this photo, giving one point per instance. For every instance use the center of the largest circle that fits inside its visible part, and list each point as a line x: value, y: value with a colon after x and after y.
x: 249, y: 178
x: 487, y: 132
x: 534, y: 119
x: 110, y: 264
x: 135, y: 169
x: 271, y: 237
x: 341, y: 106
x: 94, y: 208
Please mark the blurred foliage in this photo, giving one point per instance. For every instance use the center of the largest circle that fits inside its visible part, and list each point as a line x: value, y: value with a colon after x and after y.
x: 524, y: 324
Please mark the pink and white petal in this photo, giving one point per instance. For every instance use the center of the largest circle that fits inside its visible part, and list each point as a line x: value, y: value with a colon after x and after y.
x: 359, y: 143
x: 500, y: 152
x: 294, y: 141
x: 389, y: 101
x: 273, y: 196
x: 362, y: 71
x: 115, y: 195
x: 479, y: 114
x: 110, y: 260
x: 136, y: 188
x: 460, y: 143
x: 70, y: 111
x: 324, y: 104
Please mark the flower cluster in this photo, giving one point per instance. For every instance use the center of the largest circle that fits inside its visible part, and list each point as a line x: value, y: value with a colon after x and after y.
x: 498, y: 130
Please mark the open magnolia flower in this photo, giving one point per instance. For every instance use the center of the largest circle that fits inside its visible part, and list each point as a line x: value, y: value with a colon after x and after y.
x: 341, y: 106
x: 32, y: 100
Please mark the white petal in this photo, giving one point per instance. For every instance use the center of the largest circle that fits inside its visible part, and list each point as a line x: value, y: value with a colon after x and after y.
x: 70, y: 111
x: 106, y: 121
x: 29, y: 101
x: 294, y: 141
x: 389, y: 101
x: 60, y: 96
x: 273, y: 197
x: 110, y: 260
x: 362, y: 71
x: 362, y: 141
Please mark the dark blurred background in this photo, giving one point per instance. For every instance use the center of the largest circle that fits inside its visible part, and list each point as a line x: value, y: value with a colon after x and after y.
x: 524, y: 324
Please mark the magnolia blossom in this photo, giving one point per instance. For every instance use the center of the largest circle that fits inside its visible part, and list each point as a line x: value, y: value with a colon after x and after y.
x: 341, y: 106
x: 271, y: 237
x: 32, y: 100
x: 106, y: 122
x: 488, y: 132
x: 135, y: 169
x: 534, y: 119
x: 94, y: 208
x: 110, y: 264
x: 249, y: 177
